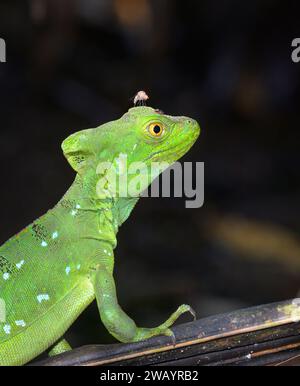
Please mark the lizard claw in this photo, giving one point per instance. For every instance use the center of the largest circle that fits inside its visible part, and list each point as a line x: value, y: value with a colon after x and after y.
x: 193, y: 313
x: 187, y: 308
x: 170, y: 333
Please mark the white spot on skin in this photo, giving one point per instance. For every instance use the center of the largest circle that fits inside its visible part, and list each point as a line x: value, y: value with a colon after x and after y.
x: 134, y: 147
x: 78, y: 266
x: 6, y: 276
x: 7, y: 329
x: 20, y: 323
x: 44, y: 244
x: 78, y: 206
x: 105, y: 251
x: 55, y: 235
x: 109, y: 254
x: 42, y: 297
x: 74, y: 212
x: 19, y: 265
x: 68, y: 269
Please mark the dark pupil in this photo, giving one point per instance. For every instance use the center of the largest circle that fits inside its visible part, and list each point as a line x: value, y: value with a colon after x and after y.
x: 156, y: 129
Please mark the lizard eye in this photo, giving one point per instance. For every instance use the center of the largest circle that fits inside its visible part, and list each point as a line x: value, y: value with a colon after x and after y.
x: 156, y: 129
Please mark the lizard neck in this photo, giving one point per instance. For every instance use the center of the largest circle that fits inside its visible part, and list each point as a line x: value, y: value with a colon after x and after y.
x: 110, y: 212
x: 83, y: 191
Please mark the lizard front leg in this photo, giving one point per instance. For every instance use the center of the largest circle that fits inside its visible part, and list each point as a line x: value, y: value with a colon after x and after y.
x: 117, y: 322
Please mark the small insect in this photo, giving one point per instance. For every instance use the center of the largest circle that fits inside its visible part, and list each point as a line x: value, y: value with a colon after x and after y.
x: 140, y: 98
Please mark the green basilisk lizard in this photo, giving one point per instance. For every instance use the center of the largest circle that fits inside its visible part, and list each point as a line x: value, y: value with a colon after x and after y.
x: 53, y: 269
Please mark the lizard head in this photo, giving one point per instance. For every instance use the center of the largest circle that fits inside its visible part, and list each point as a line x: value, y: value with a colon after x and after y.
x: 142, y: 136
x: 152, y: 136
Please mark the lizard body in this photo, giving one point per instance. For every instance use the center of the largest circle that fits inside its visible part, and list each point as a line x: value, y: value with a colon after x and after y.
x: 53, y: 269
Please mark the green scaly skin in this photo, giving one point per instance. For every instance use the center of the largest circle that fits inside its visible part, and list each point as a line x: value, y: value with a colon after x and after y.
x: 53, y: 269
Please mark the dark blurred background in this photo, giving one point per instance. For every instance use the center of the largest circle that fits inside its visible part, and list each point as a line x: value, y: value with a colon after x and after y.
x: 76, y: 64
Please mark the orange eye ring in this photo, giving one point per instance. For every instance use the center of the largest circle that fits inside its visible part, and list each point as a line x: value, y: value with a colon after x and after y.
x: 156, y: 129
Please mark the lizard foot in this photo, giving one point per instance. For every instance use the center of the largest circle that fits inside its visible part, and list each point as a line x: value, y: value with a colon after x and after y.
x: 61, y: 347
x: 164, y: 328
